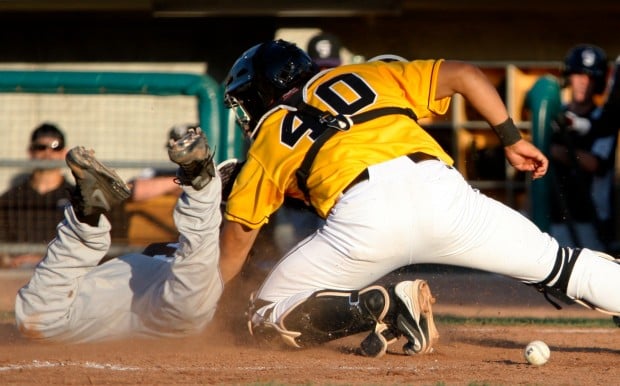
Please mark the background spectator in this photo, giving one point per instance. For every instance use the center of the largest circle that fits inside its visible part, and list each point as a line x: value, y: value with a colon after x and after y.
x: 324, y: 49
x: 582, y: 156
x: 31, y: 209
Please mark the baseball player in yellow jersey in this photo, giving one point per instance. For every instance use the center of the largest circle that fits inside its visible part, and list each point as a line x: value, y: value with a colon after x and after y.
x: 346, y: 140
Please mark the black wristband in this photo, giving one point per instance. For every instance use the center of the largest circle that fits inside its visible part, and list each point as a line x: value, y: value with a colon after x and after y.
x: 507, y: 132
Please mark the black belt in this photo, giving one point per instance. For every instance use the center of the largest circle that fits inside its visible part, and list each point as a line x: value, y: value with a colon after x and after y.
x: 419, y: 156
x: 416, y: 157
x: 363, y: 176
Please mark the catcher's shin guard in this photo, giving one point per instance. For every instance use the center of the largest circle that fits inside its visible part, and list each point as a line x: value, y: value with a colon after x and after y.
x: 328, y: 315
x: 410, y: 315
x: 388, y: 313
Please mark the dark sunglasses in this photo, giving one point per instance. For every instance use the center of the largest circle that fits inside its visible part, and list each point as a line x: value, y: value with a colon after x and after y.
x: 54, y: 146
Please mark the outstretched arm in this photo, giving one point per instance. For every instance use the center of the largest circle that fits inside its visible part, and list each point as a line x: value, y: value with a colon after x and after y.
x: 468, y: 80
x: 235, y: 244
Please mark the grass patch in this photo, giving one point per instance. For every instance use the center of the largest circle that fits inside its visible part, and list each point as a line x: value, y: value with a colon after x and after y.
x: 7, y: 316
x: 447, y: 319
x: 525, y: 321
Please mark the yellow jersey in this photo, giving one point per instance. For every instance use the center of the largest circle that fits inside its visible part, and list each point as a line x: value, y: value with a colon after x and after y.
x: 283, y: 138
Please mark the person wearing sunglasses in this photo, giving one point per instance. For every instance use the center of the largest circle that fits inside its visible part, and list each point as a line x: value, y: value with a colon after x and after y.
x: 32, y: 207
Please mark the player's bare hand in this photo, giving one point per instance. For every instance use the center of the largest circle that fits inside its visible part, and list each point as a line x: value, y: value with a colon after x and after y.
x: 526, y: 157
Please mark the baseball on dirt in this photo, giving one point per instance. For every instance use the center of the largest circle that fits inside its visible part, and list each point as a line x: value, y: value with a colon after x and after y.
x: 537, y: 353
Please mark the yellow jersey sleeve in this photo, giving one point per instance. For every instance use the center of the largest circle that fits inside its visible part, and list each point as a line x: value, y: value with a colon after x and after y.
x: 284, y: 136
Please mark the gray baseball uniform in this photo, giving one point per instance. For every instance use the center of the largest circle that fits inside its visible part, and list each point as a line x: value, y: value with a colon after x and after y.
x: 71, y: 298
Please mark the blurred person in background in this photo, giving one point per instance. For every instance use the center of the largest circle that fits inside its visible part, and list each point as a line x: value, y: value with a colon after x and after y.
x: 582, y: 154
x: 324, y: 50
x: 31, y: 209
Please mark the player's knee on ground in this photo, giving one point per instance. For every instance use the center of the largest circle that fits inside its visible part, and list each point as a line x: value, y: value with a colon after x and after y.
x: 324, y: 316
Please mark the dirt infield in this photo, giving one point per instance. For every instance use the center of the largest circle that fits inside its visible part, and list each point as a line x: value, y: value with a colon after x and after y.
x: 467, y: 353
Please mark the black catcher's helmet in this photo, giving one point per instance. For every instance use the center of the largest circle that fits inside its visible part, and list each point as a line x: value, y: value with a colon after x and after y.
x: 261, y: 76
x: 587, y: 59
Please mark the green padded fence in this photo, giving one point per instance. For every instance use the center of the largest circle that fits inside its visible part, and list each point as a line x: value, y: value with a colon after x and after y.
x: 544, y: 101
x: 221, y: 132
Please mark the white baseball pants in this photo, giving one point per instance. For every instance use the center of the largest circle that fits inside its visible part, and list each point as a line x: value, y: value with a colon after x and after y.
x: 410, y: 213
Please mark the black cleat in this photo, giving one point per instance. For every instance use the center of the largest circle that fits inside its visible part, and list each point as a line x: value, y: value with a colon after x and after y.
x: 97, y: 187
x: 194, y: 157
x: 415, y: 318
